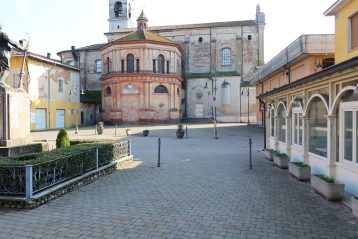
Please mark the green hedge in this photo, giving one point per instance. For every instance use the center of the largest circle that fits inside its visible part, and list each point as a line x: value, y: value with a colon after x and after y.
x: 105, y: 151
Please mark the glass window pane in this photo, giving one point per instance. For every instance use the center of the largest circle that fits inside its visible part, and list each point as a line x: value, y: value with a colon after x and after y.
x: 226, y: 57
x: 281, y: 124
x: 130, y: 63
x: 300, y: 129
x: 272, y: 115
x: 296, y: 128
x: 348, y: 135
x: 317, y: 128
x: 356, y: 136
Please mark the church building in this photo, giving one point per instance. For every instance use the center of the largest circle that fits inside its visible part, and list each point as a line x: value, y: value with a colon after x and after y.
x: 162, y: 73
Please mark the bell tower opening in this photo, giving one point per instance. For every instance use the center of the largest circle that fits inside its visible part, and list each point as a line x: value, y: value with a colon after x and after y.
x: 120, y: 14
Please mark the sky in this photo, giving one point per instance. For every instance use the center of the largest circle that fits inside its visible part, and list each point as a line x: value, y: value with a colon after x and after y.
x: 55, y: 25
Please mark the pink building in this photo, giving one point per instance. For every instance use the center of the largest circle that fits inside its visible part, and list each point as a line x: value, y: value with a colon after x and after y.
x: 141, y: 79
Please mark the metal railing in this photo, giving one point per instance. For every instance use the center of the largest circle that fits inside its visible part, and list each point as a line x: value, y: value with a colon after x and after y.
x: 29, y: 180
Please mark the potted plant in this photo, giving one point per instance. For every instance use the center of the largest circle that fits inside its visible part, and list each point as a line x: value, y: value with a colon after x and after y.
x: 269, y: 153
x: 145, y: 133
x: 180, y: 131
x: 281, y: 160
x: 327, y: 187
x: 300, y: 170
x: 354, y: 201
x: 129, y: 132
x: 100, y: 127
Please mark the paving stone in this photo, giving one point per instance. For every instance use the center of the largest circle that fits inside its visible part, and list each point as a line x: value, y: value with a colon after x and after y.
x: 203, y: 189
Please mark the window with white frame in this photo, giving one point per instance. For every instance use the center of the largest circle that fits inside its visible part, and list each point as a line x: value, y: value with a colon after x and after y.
x: 272, y: 123
x: 348, y: 129
x: 281, y: 123
x: 226, y: 57
x: 297, y: 129
x: 98, y: 66
x: 60, y: 85
x: 317, y: 130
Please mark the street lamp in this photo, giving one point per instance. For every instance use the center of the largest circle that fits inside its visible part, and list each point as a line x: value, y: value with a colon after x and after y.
x: 214, y: 109
x: 247, y: 93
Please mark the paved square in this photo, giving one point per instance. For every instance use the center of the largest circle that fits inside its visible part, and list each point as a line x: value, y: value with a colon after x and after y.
x: 204, y: 189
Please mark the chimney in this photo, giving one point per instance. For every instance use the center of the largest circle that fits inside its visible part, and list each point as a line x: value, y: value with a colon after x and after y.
x: 48, y: 55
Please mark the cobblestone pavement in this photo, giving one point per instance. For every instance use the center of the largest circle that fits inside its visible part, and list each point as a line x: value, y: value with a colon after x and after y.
x: 204, y: 189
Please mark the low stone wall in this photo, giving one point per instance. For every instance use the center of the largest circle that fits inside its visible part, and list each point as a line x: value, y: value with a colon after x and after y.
x: 61, y: 189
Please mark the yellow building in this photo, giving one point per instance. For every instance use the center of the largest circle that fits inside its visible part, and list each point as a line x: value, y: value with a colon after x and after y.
x: 346, y: 15
x: 313, y: 117
x: 54, y: 90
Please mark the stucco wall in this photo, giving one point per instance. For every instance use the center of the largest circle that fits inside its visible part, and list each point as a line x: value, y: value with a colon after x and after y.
x: 342, y: 50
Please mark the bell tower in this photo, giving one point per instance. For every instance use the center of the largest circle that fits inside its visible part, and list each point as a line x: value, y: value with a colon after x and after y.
x: 120, y: 14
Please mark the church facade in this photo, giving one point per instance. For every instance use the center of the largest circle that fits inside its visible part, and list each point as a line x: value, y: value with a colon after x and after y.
x: 204, y: 68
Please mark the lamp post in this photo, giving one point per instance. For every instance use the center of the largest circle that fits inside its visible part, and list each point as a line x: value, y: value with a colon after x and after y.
x: 247, y: 93
x: 214, y: 108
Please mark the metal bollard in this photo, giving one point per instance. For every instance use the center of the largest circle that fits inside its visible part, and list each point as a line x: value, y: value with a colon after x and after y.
x: 250, y: 148
x: 186, y: 131
x: 115, y: 131
x: 159, y: 142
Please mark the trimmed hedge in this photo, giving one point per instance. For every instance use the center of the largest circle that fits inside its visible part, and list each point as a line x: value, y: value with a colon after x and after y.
x: 105, y: 148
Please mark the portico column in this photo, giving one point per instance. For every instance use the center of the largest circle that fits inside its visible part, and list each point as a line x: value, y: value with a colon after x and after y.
x: 331, y: 144
x: 288, y: 135
x: 305, y: 139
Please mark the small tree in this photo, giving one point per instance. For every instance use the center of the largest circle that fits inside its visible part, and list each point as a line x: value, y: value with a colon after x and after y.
x: 62, y: 139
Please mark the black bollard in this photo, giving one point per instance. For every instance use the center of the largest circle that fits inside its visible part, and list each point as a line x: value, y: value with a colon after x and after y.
x: 158, y: 165
x: 250, y: 148
x: 186, y: 131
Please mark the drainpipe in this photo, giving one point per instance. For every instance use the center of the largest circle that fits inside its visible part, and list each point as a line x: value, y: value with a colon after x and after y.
x: 49, y: 95
x: 264, y: 119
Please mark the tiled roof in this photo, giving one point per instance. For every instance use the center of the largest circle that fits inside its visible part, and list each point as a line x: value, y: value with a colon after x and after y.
x: 140, y: 35
x: 92, y: 47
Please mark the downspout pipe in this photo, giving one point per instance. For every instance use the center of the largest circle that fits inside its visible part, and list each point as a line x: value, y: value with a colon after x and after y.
x: 263, y: 119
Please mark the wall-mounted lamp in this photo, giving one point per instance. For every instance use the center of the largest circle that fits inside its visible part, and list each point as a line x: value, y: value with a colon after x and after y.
x: 298, y: 101
x: 271, y: 106
x: 355, y: 92
x: 262, y: 106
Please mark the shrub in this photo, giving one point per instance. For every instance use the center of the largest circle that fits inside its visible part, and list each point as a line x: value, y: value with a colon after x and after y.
x: 326, y: 178
x: 180, y: 128
x: 105, y: 150
x: 301, y: 164
x: 62, y: 139
x: 281, y: 155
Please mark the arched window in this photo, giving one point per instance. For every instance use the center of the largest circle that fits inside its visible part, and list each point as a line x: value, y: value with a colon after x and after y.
x: 226, y: 57
x: 160, y: 63
x: 317, y: 135
x: 118, y: 10
x: 108, y: 91
x: 200, y: 39
x: 130, y: 63
x: 161, y: 89
x: 281, y: 123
